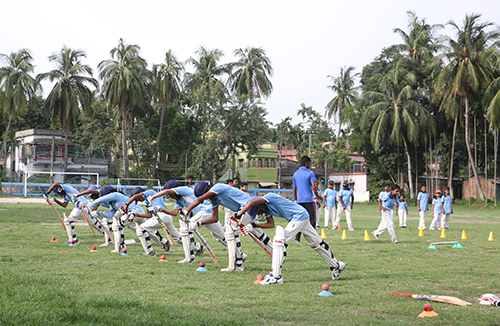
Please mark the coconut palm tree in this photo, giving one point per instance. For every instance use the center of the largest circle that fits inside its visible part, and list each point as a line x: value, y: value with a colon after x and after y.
x: 71, y: 93
x: 125, y: 78
x: 253, y: 70
x: 17, y: 87
x: 395, y: 115
x: 468, y: 70
x: 345, y: 95
x: 167, y: 88
x: 282, y: 130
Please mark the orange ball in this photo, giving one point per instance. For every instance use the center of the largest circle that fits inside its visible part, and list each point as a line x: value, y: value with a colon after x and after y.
x: 163, y: 257
x: 94, y: 248
x: 260, y: 277
x: 325, y: 287
x: 124, y: 250
x: 428, y: 307
x: 202, y: 264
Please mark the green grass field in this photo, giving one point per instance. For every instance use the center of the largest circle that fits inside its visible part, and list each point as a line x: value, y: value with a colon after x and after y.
x: 44, y: 283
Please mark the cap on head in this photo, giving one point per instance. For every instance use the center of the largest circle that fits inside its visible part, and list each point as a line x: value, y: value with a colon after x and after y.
x: 201, y: 188
x: 438, y: 191
x: 93, y: 187
x: 137, y: 190
x: 345, y: 183
x: 105, y: 190
x: 331, y: 182
x: 254, y: 209
x: 447, y: 188
x: 171, y: 184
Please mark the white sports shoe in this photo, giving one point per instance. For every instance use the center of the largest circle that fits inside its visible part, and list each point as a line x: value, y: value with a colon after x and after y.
x: 337, y: 271
x: 185, y: 260
x: 270, y: 279
x: 351, y: 229
x: 114, y: 250
x: 236, y: 269
x: 109, y: 244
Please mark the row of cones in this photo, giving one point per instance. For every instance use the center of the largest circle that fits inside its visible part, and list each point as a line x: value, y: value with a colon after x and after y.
x: 344, y: 235
x: 420, y: 234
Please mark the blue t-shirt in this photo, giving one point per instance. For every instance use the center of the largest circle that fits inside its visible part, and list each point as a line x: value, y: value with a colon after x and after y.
x: 424, y: 200
x: 388, y: 200
x: 331, y: 195
x: 70, y: 191
x: 229, y: 197
x: 402, y: 204
x: 345, y: 195
x: 115, y: 200
x: 158, y: 201
x: 281, y: 207
x: 447, y: 204
x: 187, y: 198
x: 437, y: 205
x: 302, y: 180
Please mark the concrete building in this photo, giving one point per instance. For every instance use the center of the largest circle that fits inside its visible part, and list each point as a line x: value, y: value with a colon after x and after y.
x: 469, y: 188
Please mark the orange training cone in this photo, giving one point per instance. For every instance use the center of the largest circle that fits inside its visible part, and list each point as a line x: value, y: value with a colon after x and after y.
x: 367, y: 237
x: 344, y: 235
x: 339, y: 227
x: 464, y: 236
x: 163, y: 258
x: 443, y: 234
x: 260, y: 277
x: 323, y: 234
x: 490, y: 238
x: 53, y: 239
x: 420, y: 232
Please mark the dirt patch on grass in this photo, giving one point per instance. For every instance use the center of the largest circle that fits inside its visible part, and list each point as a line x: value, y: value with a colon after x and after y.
x: 22, y: 200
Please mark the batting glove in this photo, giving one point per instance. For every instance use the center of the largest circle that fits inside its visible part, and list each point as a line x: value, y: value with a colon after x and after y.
x: 94, y: 214
x: 235, y: 226
x: 154, y: 210
x: 51, y: 200
x: 124, y: 209
x: 194, y: 226
x: 248, y: 228
x: 149, y: 200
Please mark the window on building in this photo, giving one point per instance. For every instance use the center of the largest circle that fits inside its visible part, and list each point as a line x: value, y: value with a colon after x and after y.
x: 273, y: 163
x: 266, y: 163
x: 253, y: 163
x: 260, y: 162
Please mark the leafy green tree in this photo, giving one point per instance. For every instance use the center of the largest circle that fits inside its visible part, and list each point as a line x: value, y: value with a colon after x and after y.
x: 252, y: 72
x: 17, y: 87
x: 167, y: 90
x: 125, y: 87
x: 282, y: 131
x: 345, y: 95
x: 71, y: 93
x: 394, y: 115
x: 467, y: 72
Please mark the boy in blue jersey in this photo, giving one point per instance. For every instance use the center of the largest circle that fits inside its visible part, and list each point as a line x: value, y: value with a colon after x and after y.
x: 184, y: 196
x: 437, y: 209
x: 67, y: 192
x: 345, y: 205
x: 446, y: 201
x: 402, y: 211
x: 388, y: 201
x: 423, y: 206
x: 121, y: 219
x: 329, y: 203
x: 233, y: 199
x: 190, y: 182
x: 298, y: 218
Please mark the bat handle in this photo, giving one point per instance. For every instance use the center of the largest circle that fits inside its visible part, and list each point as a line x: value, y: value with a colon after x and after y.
x: 404, y: 294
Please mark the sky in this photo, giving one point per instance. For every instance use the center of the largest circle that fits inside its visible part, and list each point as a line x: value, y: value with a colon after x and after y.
x: 305, y: 40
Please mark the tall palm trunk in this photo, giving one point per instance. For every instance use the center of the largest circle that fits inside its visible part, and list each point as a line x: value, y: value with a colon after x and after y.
x: 158, y: 140
x: 124, y: 140
x: 65, y: 150
x: 452, y: 155
x: 4, y: 144
x: 471, y: 158
x: 409, y: 167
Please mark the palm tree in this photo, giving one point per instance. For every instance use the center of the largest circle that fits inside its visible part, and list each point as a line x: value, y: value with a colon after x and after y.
x: 17, y: 87
x: 167, y: 88
x: 346, y: 95
x: 70, y: 94
x: 468, y: 70
x: 282, y: 130
x: 419, y: 43
x: 253, y: 70
x: 396, y: 115
x: 125, y: 79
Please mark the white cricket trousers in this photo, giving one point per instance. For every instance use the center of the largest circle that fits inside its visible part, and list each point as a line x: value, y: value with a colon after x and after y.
x: 329, y: 212
x: 436, y: 221
x: 318, y: 215
x: 402, y: 217
x: 421, y: 224
x: 445, y: 221
x: 340, y: 209
x: 386, y: 224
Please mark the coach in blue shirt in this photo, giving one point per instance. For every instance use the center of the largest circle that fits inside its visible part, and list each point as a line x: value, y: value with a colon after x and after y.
x: 303, y: 189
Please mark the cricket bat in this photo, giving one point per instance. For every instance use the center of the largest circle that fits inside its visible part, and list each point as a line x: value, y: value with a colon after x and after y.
x: 207, y: 246
x: 163, y: 226
x: 254, y: 238
x: 55, y: 210
x: 436, y: 298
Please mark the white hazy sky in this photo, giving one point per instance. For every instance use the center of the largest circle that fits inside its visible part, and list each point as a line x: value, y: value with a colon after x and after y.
x: 305, y: 40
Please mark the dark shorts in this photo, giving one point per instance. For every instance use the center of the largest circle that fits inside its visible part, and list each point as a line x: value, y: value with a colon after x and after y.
x: 311, y: 209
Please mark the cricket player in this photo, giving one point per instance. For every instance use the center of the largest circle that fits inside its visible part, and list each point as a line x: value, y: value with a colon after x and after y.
x: 388, y: 201
x: 330, y: 204
x: 234, y: 199
x: 121, y: 219
x: 423, y: 206
x: 184, y: 196
x: 298, y: 218
x: 345, y: 204
x: 67, y: 191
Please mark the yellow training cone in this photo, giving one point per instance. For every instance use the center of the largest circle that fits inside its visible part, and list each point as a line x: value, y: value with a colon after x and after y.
x: 344, y: 235
x: 490, y: 238
x: 464, y: 236
x: 443, y: 233
x: 420, y: 232
x: 367, y: 237
x: 323, y: 234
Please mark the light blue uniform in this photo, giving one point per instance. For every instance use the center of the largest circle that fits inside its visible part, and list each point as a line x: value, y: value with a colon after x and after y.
x: 70, y: 191
x: 115, y: 200
x: 446, y: 200
x: 437, y: 206
x: 229, y: 197
x: 331, y: 195
x: 388, y: 201
x: 424, y: 200
x: 402, y: 204
x: 281, y: 207
x: 158, y: 201
x: 187, y: 198
x: 345, y: 196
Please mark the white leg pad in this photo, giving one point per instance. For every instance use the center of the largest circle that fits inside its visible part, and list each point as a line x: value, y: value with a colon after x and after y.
x: 186, y: 241
x: 278, y: 251
x: 231, y: 248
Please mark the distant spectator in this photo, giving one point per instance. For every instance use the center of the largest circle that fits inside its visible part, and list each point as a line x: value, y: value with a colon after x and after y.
x: 190, y: 181
x: 235, y: 182
x: 244, y: 187
x: 229, y: 182
x: 329, y: 203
